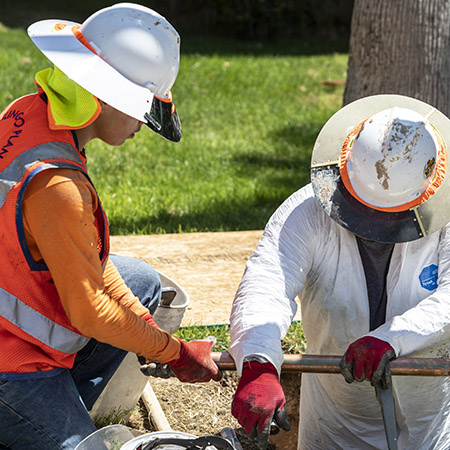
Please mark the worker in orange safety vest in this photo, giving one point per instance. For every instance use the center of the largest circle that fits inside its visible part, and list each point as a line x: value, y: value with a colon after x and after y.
x: 70, y: 311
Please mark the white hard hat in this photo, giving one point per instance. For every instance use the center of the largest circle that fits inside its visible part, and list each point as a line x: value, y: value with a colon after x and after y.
x: 379, y: 168
x: 390, y: 159
x: 126, y: 55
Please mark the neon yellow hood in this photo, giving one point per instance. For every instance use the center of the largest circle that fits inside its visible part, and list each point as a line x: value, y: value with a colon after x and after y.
x: 69, y: 105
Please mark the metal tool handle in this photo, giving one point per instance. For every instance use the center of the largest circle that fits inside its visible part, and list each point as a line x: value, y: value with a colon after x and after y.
x: 385, y: 397
x: 435, y: 367
x: 228, y: 433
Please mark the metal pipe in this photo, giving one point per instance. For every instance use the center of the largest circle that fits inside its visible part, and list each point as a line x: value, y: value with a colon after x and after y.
x: 435, y: 367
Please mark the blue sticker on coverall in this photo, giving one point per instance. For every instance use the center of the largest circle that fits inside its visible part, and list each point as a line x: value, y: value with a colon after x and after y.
x: 428, y: 277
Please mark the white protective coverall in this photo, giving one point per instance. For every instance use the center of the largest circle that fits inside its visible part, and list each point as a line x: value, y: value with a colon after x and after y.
x: 304, y: 252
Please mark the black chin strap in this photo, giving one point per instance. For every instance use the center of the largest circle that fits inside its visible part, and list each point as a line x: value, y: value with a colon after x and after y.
x: 189, y: 443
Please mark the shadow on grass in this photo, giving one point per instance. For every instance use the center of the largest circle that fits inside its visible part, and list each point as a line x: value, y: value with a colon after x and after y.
x: 280, y: 174
x: 292, y: 147
x: 221, y: 216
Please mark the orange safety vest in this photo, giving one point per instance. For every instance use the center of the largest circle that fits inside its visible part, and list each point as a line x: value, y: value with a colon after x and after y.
x: 35, y: 332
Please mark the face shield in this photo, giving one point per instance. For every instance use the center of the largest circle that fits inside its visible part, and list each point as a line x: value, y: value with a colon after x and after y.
x: 163, y: 118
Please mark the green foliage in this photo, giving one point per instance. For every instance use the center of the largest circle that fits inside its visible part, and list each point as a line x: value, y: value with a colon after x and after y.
x: 293, y: 343
x: 116, y: 416
x: 258, y: 19
x: 220, y: 332
x: 244, y: 19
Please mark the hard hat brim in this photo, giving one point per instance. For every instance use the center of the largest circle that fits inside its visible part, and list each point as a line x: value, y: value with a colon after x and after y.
x: 55, y: 39
x: 341, y: 206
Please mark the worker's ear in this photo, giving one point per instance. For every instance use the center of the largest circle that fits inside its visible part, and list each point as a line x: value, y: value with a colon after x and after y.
x: 105, y: 107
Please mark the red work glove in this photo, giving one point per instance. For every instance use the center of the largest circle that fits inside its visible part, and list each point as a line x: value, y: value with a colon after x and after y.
x: 195, y: 364
x: 366, y: 359
x: 259, y: 397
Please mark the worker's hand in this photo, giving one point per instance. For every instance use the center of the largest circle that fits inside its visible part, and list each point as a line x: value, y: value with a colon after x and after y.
x: 259, y: 398
x: 195, y: 364
x: 155, y: 369
x: 366, y: 359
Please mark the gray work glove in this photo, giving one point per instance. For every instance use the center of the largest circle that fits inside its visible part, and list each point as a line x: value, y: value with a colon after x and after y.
x: 154, y: 368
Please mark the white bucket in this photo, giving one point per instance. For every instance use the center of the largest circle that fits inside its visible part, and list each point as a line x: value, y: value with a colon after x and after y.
x: 169, y: 317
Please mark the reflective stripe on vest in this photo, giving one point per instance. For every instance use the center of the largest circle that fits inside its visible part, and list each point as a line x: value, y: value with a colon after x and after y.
x: 39, y: 326
x: 12, y: 174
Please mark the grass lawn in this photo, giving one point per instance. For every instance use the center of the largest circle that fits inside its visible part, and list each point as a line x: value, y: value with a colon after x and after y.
x: 250, y: 113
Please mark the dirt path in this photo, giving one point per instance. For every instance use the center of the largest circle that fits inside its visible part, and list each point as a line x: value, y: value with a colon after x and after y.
x: 209, y: 266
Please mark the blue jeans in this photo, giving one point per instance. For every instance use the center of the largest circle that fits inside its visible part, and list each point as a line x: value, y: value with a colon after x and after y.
x: 51, y: 413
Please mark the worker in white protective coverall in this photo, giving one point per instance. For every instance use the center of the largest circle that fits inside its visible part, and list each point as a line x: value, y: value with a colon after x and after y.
x: 366, y: 247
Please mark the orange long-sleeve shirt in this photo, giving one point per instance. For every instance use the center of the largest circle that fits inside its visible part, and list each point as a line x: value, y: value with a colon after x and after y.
x: 58, y: 212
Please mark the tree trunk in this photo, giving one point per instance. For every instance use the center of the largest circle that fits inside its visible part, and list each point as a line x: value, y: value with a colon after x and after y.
x: 400, y: 47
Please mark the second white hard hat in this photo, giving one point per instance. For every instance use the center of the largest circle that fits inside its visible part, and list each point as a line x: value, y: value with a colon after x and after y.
x: 389, y: 160
x: 126, y: 55
x: 379, y: 168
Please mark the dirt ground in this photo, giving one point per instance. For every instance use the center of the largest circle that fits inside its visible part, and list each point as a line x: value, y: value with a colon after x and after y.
x: 199, y: 409
x: 205, y: 409
x: 209, y: 267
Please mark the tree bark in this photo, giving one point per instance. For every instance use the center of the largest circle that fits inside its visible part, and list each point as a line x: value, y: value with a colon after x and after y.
x: 400, y: 47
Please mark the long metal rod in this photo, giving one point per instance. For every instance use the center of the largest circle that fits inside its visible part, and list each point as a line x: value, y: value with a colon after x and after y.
x: 434, y: 367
